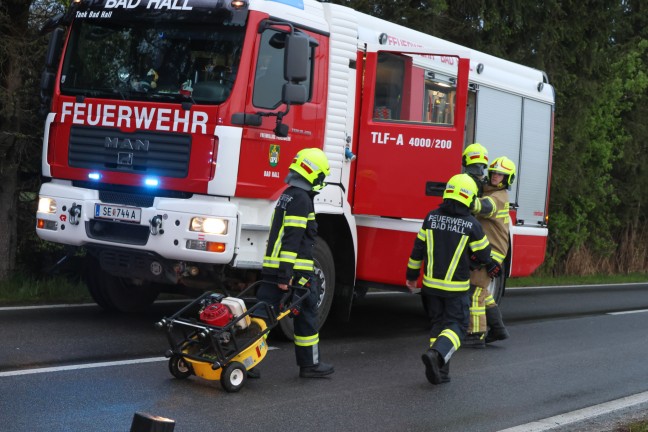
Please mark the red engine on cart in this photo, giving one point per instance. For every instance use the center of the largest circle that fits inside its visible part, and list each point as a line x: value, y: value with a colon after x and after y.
x: 216, y: 314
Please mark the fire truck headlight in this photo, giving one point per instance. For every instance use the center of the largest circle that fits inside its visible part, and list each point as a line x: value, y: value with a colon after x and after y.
x: 209, y: 225
x: 46, y: 205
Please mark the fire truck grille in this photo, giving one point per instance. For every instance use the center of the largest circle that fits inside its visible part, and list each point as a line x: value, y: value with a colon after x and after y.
x: 140, y: 152
x: 126, y: 199
x: 117, y: 232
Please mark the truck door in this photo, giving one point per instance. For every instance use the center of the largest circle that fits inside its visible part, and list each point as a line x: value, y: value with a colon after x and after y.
x: 264, y: 155
x: 410, y: 133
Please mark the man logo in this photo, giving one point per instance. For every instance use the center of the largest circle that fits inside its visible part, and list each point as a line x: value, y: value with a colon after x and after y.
x: 124, y: 158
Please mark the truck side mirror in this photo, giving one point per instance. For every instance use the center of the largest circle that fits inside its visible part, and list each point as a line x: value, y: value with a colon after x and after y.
x: 54, y: 48
x: 296, y: 56
x: 294, y: 94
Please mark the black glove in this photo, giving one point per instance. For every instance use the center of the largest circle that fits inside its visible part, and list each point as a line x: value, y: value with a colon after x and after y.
x: 494, y: 269
x: 474, y: 262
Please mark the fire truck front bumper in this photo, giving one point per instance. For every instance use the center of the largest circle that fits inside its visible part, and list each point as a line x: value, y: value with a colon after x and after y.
x: 200, y: 229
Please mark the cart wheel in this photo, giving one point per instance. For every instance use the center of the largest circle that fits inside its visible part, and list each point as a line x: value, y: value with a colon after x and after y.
x: 179, y: 368
x: 233, y: 377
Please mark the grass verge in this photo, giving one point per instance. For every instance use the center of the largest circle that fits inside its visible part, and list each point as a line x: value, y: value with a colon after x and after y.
x: 532, y: 281
x: 21, y: 290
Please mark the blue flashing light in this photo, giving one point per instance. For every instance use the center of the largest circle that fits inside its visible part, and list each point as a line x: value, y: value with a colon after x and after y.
x: 152, y: 182
x: 94, y: 176
x: 299, y: 4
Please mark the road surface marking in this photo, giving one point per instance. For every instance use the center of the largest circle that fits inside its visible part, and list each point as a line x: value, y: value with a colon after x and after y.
x: 628, y: 312
x: 590, y: 413
x: 89, y: 366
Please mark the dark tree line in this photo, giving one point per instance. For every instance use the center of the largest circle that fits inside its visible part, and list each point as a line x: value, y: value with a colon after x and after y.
x: 595, y: 53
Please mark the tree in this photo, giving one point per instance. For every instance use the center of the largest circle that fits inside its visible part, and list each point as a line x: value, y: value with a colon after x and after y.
x: 21, y: 62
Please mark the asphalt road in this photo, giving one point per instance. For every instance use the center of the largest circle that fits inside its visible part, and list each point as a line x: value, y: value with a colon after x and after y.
x: 81, y: 369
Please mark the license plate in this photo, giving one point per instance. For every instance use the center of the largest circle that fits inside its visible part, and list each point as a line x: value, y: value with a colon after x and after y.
x: 118, y: 213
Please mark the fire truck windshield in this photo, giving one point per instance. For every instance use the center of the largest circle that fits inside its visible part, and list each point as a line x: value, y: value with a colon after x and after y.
x: 148, y: 60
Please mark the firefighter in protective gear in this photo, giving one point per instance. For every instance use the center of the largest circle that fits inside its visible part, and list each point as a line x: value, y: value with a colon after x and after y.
x: 443, y: 247
x: 289, y: 255
x: 486, y: 323
x: 475, y: 162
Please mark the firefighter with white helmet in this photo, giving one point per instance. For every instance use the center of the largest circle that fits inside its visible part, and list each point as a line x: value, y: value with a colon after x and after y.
x: 492, y: 210
x: 443, y: 247
x: 501, y: 175
x: 289, y: 255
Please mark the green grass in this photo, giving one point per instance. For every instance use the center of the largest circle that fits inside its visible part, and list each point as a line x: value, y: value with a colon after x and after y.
x: 21, y: 290
x: 576, y: 280
x: 641, y: 426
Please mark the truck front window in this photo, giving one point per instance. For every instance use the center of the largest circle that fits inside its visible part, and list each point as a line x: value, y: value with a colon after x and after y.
x: 152, y: 60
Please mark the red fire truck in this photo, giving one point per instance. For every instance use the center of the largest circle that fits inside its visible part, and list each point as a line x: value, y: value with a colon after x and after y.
x: 172, y: 123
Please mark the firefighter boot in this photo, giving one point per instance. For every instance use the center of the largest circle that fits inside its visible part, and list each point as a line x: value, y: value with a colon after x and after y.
x: 474, y: 340
x: 316, y: 371
x: 445, y: 373
x: 496, y: 324
x: 433, y: 364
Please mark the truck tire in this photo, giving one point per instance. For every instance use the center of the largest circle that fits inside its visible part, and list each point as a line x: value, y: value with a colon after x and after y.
x: 113, y: 293
x: 325, y: 271
x: 496, y: 287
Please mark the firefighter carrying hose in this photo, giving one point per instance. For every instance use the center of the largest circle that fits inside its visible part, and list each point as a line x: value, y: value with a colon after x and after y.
x: 491, y: 209
x: 289, y: 255
x: 443, y: 247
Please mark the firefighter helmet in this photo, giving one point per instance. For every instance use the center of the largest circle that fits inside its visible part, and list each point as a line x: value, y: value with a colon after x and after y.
x: 312, y: 165
x: 474, y: 154
x: 503, y: 165
x: 462, y: 188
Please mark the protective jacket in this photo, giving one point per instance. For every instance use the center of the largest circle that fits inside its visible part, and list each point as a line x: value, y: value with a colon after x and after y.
x: 443, y: 246
x: 496, y: 223
x: 292, y: 236
x: 289, y: 254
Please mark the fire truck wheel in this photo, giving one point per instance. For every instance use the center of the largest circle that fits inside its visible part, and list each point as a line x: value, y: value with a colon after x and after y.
x: 179, y: 368
x: 496, y: 288
x: 325, y: 272
x: 233, y: 377
x: 118, y: 294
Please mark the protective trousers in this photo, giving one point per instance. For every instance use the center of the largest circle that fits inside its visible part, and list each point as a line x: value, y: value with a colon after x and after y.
x: 480, y: 300
x: 305, y: 322
x: 449, y: 320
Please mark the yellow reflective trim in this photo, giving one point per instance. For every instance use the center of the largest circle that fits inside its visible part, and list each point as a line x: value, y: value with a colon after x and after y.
x: 497, y: 256
x: 452, y: 268
x: 429, y: 237
x: 477, y: 206
x: 414, y: 264
x: 478, y: 245
x: 270, y: 262
x: 277, y: 244
x: 489, y: 301
x: 445, y: 285
x: 454, y: 338
x: 311, y: 216
x: 295, y: 221
x: 421, y: 234
x: 493, y: 206
x: 307, y: 340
